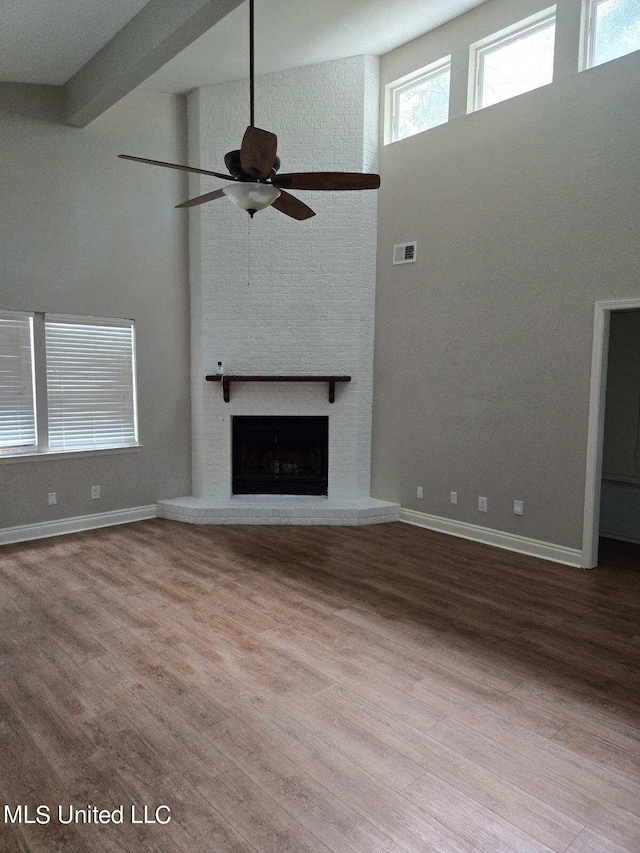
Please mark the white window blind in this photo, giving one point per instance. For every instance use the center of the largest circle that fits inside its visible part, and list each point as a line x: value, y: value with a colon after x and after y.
x: 17, y: 402
x: 90, y: 383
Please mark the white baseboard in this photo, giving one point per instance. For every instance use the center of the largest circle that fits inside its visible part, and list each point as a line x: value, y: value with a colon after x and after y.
x: 26, y: 532
x: 508, y: 541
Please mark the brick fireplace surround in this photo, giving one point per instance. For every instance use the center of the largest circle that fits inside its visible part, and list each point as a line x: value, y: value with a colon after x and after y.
x: 275, y: 296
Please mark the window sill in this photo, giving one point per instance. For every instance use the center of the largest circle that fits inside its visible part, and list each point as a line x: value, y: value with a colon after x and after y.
x: 67, y: 454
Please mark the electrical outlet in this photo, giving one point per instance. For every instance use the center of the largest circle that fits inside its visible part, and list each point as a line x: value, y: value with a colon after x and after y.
x: 518, y: 507
x: 95, y: 493
x: 453, y: 497
x: 482, y: 505
x: 53, y: 498
x: 420, y: 492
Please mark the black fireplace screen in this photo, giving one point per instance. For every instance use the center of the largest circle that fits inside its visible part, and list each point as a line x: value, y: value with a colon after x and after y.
x: 280, y: 455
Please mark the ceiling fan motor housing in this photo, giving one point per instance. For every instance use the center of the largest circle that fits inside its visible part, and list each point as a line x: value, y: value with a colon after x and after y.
x: 232, y: 162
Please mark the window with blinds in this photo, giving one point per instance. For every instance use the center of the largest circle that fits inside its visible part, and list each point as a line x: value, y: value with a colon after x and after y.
x: 90, y: 383
x: 17, y: 401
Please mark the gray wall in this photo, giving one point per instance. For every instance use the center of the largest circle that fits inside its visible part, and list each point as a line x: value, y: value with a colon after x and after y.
x: 526, y: 213
x: 84, y: 233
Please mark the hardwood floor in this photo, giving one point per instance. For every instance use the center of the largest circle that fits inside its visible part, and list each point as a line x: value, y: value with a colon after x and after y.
x: 306, y: 690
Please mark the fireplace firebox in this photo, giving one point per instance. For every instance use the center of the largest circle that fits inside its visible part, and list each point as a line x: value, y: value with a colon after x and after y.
x: 280, y: 455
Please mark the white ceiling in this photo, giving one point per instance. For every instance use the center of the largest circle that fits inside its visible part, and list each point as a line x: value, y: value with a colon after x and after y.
x: 292, y: 33
x: 47, y: 41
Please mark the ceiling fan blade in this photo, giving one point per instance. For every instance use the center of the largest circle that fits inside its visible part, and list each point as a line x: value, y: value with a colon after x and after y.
x: 258, y: 152
x: 327, y: 181
x: 293, y: 207
x: 176, y: 166
x: 201, y: 199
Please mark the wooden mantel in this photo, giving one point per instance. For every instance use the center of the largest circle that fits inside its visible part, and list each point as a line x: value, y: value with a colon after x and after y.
x: 228, y: 378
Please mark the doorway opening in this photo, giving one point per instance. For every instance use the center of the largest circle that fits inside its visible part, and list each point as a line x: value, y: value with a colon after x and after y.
x: 612, y: 493
x: 620, y: 487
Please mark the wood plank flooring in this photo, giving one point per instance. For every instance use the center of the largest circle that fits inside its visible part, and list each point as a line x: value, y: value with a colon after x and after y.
x: 318, y: 690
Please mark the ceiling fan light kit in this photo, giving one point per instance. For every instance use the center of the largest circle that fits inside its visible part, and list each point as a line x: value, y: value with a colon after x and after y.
x: 252, y: 197
x: 253, y: 168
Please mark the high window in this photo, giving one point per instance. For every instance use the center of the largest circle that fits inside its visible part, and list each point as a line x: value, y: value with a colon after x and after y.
x: 66, y: 383
x: 420, y: 101
x: 613, y: 30
x: 514, y: 61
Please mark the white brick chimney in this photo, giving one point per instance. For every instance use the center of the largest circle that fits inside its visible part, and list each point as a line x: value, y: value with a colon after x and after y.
x: 276, y: 296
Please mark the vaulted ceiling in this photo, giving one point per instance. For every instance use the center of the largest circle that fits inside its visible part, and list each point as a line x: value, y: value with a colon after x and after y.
x: 292, y: 33
x: 48, y: 41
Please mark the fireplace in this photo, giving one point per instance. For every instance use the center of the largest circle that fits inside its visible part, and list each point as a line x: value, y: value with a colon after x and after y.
x: 280, y: 455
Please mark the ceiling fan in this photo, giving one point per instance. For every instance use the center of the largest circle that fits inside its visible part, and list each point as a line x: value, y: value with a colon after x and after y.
x: 253, y: 168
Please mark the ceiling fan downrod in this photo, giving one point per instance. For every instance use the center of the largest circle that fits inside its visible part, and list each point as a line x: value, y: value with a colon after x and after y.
x: 252, y: 62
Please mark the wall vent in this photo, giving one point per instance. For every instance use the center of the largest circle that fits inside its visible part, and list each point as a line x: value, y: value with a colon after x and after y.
x: 405, y: 253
